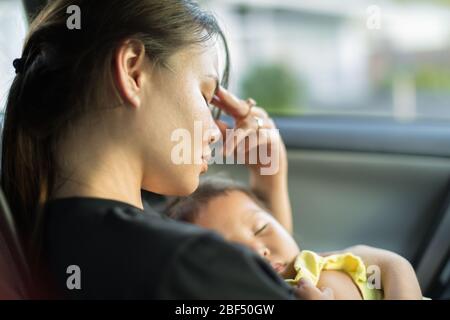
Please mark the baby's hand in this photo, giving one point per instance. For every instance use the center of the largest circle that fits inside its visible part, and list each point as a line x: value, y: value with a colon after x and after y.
x: 305, y: 290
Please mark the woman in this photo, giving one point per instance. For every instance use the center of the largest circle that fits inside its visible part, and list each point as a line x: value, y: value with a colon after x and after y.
x: 88, y: 124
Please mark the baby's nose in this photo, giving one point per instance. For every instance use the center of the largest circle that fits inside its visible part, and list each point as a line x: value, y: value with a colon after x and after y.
x: 265, y: 252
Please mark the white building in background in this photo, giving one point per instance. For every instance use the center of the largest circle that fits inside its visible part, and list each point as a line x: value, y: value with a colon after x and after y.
x: 328, y: 42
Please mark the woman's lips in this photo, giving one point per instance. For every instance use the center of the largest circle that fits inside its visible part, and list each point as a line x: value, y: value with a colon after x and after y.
x: 204, y: 165
x: 206, y: 157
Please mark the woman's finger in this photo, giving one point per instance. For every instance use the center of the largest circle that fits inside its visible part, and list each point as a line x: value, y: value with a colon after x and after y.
x: 236, y: 140
x: 305, y: 290
x: 260, y: 112
x: 222, y: 127
x: 327, y: 294
x: 231, y: 104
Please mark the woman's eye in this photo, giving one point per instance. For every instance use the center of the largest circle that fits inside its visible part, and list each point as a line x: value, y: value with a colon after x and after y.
x: 213, y: 109
x: 261, y: 229
x: 210, y: 106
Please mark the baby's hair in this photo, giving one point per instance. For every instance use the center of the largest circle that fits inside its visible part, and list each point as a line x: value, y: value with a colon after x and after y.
x: 188, y: 208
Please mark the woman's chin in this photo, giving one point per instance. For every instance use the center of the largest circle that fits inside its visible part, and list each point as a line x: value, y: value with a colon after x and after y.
x: 188, y: 186
x: 183, y: 182
x: 204, y: 168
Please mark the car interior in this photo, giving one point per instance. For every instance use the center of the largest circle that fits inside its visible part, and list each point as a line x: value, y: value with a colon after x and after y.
x: 353, y: 179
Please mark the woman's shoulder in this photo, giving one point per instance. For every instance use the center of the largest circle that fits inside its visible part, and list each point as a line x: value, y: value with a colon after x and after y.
x: 108, y: 222
x: 110, y: 241
x: 139, y: 254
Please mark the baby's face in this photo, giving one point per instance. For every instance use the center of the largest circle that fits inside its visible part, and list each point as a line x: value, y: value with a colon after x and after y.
x: 239, y: 219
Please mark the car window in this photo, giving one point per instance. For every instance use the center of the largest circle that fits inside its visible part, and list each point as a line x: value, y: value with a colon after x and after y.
x: 335, y: 58
x: 318, y: 57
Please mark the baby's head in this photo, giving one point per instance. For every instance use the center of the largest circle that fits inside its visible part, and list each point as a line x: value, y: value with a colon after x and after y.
x: 239, y: 216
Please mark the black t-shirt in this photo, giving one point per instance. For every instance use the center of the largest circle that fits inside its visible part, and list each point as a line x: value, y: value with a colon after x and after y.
x: 124, y: 252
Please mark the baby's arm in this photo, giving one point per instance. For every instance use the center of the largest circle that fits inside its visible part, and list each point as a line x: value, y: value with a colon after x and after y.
x: 273, y: 189
x: 398, y: 278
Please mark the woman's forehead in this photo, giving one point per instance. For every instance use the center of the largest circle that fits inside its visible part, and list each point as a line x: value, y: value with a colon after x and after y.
x: 201, y: 59
x: 207, y: 61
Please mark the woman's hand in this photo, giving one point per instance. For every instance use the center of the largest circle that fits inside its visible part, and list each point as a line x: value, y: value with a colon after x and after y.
x: 398, y: 278
x: 251, y: 120
x: 305, y: 290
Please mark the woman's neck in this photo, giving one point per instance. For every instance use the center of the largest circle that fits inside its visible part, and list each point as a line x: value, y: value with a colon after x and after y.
x: 91, y: 164
x: 98, y: 185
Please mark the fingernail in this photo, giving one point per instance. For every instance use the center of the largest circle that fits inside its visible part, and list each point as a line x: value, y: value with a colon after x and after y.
x: 301, y: 282
x: 306, y: 282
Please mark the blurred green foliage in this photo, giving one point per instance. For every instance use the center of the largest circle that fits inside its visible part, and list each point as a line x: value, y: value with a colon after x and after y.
x: 426, y: 78
x: 433, y: 78
x: 275, y: 87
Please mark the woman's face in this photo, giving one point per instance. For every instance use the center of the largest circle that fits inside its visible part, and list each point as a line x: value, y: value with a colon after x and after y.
x: 175, y: 114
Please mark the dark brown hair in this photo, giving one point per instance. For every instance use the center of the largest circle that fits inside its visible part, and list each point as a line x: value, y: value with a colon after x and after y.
x: 62, y: 72
x: 188, y: 208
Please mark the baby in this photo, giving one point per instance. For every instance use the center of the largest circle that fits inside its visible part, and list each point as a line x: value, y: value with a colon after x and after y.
x: 239, y: 216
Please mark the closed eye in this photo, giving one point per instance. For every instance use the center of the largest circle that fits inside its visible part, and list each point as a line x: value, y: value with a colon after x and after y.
x: 216, y: 112
x: 261, y: 229
x: 208, y: 104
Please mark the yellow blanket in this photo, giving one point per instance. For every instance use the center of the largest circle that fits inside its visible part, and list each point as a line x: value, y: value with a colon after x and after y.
x: 309, y: 265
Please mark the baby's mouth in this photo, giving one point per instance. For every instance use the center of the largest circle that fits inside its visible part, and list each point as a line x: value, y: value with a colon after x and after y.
x: 279, y: 267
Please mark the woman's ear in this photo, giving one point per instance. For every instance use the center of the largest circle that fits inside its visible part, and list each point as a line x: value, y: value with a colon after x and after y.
x: 129, y: 63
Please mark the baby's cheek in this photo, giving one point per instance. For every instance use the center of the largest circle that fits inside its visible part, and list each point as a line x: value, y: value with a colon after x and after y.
x: 276, y: 246
x: 287, y: 247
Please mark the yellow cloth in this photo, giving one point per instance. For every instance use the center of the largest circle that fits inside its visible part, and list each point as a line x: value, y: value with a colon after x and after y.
x: 309, y: 265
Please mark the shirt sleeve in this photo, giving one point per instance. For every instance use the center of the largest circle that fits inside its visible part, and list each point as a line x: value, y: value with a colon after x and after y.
x: 208, y: 267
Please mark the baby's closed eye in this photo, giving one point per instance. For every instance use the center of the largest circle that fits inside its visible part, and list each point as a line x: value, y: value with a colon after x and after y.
x: 261, y: 228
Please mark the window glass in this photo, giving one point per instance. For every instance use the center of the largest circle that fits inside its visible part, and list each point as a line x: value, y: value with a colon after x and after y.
x: 386, y: 58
